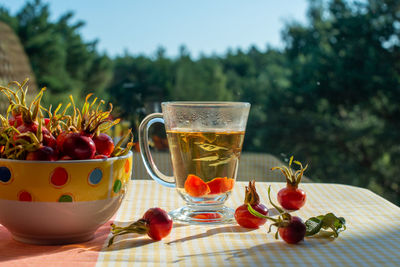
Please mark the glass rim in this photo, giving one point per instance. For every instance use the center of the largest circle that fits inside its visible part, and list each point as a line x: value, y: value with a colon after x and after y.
x: 206, y: 104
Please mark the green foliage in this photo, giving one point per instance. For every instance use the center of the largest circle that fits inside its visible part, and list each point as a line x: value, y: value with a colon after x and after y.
x: 201, y: 80
x: 138, y: 82
x: 341, y: 110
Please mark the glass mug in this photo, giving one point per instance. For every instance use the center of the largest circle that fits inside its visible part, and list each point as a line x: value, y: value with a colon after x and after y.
x: 205, y: 141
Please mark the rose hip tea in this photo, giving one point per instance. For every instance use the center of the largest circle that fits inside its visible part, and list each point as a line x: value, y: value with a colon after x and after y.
x: 205, y: 141
x: 205, y: 163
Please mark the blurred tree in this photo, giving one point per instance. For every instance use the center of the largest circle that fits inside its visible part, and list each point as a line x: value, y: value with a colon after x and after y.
x: 201, y: 80
x: 253, y: 77
x: 138, y: 81
x: 341, y: 110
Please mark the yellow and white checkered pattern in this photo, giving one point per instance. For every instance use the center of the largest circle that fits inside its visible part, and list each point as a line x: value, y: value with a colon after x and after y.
x: 372, y: 237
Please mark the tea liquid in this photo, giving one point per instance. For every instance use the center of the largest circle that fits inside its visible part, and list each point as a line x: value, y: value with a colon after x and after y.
x: 205, y: 154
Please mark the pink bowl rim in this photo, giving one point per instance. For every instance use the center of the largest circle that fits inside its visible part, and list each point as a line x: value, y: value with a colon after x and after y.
x: 67, y: 161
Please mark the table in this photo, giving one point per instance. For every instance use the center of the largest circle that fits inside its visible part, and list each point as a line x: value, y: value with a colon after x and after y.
x: 372, y: 237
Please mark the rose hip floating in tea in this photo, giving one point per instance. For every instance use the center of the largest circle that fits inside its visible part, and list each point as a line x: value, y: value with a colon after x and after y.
x: 220, y: 185
x: 196, y: 187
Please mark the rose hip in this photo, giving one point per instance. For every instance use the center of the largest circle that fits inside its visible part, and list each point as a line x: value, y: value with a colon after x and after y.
x: 44, y: 153
x: 60, y: 140
x: 15, y: 120
x: 195, y: 186
x: 243, y: 217
x: 293, y: 231
x: 104, y: 144
x: 50, y: 140
x: 291, y: 197
x: 159, y: 223
x: 156, y: 223
x: 46, y: 122
x: 30, y: 127
x: 78, y: 146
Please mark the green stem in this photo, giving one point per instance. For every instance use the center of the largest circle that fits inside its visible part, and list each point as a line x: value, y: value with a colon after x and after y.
x: 259, y: 215
x: 280, y: 210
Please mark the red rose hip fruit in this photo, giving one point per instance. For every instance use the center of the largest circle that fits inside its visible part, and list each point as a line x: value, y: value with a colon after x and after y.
x: 78, y: 146
x: 104, y: 144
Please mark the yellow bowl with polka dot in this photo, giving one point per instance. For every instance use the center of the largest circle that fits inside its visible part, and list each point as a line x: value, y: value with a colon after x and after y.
x: 58, y: 202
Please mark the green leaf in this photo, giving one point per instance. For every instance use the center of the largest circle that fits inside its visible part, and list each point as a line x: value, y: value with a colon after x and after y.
x: 325, y: 222
x: 313, y: 225
x: 328, y: 220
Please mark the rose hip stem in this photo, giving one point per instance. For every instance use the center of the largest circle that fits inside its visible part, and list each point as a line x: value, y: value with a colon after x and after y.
x: 257, y: 214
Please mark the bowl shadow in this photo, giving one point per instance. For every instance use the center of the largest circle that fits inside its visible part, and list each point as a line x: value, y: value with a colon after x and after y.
x: 11, y: 249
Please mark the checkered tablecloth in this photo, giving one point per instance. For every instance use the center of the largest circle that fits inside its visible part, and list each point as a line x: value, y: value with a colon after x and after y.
x: 372, y: 237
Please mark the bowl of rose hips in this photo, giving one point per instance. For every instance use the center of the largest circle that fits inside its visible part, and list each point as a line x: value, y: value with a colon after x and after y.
x: 61, y: 174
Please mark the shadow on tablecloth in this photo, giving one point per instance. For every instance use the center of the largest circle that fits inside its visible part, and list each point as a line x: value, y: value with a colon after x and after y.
x: 16, y: 253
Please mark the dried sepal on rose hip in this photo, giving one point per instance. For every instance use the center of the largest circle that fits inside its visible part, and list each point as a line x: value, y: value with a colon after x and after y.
x: 243, y: 217
x: 291, y: 197
x: 55, y: 121
x: 118, y: 150
x: 91, y: 119
x: 29, y: 115
x: 156, y: 223
x: 83, y: 136
x: 16, y: 99
x: 37, y: 149
x: 23, y: 135
x: 24, y: 132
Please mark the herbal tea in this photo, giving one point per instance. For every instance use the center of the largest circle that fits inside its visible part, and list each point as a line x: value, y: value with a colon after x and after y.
x: 205, y: 163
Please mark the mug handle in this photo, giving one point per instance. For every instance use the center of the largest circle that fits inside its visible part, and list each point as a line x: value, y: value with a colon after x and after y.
x: 148, y: 161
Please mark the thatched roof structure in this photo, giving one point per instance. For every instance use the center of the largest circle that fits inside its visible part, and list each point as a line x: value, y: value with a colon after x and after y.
x: 14, y: 63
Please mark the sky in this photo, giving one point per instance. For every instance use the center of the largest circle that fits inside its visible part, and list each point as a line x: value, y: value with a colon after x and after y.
x: 203, y: 26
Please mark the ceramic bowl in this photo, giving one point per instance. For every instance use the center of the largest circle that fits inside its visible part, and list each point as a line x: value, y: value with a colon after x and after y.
x: 61, y: 202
